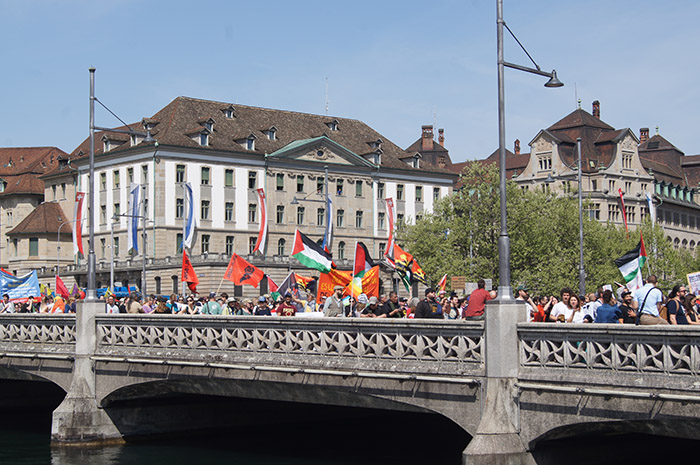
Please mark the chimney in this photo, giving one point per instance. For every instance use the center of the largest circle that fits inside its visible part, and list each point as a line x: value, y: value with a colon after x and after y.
x: 516, y: 148
x: 441, y: 137
x: 596, y: 109
x: 427, y: 141
x: 643, y: 135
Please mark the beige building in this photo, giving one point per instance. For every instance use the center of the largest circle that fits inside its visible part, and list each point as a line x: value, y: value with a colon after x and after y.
x: 226, y: 152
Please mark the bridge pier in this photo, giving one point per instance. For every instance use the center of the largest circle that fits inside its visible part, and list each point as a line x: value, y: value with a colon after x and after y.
x: 497, y: 439
x: 79, y: 420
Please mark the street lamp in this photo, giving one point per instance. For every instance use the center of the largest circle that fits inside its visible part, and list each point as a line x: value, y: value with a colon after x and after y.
x: 91, y: 294
x: 505, y: 292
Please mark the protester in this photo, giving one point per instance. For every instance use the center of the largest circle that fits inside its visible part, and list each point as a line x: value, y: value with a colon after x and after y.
x: 133, y: 304
x: 477, y: 302
x: 162, y: 307
x: 262, y: 309
x: 392, y: 307
x: 59, y: 305
x: 576, y: 310
x: 310, y: 305
x: 7, y: 306
x: 374, y: 309
x: 521, y: 294
x: 429, y: 307
x: 691, y: 312
x: 333, y: 307
x: 608, y: 312
x: 211, y: 307
x: 676, y: 310
x: 629, y: 314
x: 649, y: 300
x: 452, y: 312
x: 149, y: 304
x: 561, y: 311
x: 287, y: 308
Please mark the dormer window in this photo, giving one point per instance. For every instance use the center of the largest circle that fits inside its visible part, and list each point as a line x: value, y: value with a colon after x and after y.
x: 3, y: 185
x: 229, y: 112
x: 271, y: 133
x: 204, y: 139
x: 376, y: 144
x: 250, y: 143
x: 208, y: 124
x: 416, y: 161
x: 332, y: 125
x: 136, y: 140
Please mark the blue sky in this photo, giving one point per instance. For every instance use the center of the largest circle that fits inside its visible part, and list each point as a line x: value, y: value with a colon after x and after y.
x: 393, y: 64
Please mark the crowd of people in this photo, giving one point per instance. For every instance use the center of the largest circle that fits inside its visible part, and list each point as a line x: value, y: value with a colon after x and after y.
x: 646, y: 306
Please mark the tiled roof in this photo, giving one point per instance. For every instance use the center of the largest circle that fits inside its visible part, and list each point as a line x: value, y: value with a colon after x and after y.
x: 664, y: 159
x: 185, y: 116
x: 22, y: 184
x: 24, y: 160
x: 46, y: 218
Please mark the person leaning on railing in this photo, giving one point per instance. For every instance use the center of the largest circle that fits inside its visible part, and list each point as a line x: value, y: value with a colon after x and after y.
x: 649, y: 300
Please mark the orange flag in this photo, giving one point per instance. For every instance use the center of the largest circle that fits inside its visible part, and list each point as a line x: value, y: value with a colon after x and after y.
x: 241, y: 272
x: 188, y: 275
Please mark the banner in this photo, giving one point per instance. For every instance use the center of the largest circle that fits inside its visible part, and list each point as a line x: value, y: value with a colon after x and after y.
x: 133, y: 219
x: 328, y: 235
x: 327, y: 281
x: 262, y: 235
x: 624, y: 212
x: 189, y: 217
x: 78, y: 227
x: 390, y: 216
x: 18, y: 287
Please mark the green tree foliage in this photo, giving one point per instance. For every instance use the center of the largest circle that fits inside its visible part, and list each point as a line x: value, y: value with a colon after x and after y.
x: 460, y: 238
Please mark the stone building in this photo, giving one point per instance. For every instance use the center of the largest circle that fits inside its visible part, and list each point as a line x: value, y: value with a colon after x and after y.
x: 226, y: 152
x: 613, y: 160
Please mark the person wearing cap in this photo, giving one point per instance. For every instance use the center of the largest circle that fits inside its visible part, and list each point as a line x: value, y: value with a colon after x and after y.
x: 262, y: 309
x: 287, y: 307
x: 310, y: 305
x: 333, y: 307
x: 374, y: 310
x: 477, y: 302
x: 392, y: 307
x: 212, y: 307
x: 429, y: 307
x: 629, y: 314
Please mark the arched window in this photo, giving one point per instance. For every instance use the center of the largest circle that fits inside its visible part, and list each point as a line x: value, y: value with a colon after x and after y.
x: 280, y: 246
x: 341, y: 250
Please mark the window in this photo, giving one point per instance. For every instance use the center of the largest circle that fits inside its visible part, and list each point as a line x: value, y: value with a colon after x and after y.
x: 280, y: 214
x: 205, y: 243
x: 382, y: 248
x: 593, y: 211
x: 228, y: 178
x: 339, y: 187
x: 145, y: 208
x: 399, y: 192
x: 419, y: 193
x: 300, y: 215
x: 252, y: 209
x: 63, y: 190
x: 205, y: 176
x: 144, y: 174
x: 626, y: 160
x: 252, y: 180
x: 358, y: 219
x: 341, y: 250
x: 611, y: 185
x: 33, y: 246
x: 544, y: 161
x: 116, y: 246
x: 228, y: 211
x: 630, y: 212
x: 229, y: 245
x: 179, y: 208
x: 251, y: 244
x: 117, y: 209
x: 53, y: 190
x: 103, y: 247
x: 280, y: 181
x: 358, y: 189
x: 320, y: 216
x: 320, y: 182
x: 436, y: 194
x: 340, y: 218
x: 300, y: 183
x: 130, y: 175
x: 613, y: 213
x: 15, y: 248
x: 280, y: 247
x: 204, y: 139
x: 250, y: 143
x: 399, y: 221
x: 381, y: 220
x: 628, y: 187
x: 103, y: 181
x: 380, y: 190
x: 594, y: 185
x: 103, y: 214
x: 205, y: 210
x: 115, y: 179
x: 272, y: 133
x: 180, y: 173
x: 178, y: 243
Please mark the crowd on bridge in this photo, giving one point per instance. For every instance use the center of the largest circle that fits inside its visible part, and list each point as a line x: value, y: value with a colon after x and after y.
x: 647, y: 305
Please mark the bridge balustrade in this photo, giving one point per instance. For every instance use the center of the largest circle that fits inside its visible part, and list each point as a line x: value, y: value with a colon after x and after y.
x: 37, y: 336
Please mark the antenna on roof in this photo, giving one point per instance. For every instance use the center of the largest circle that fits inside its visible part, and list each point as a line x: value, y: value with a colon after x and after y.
x: 657, y: 130
x: 326, y: 95
x: 434, y: 116
x: 578, y: 100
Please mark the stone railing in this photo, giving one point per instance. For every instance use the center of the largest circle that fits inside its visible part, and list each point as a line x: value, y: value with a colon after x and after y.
x: 591, y: 352
x: 38, y: 334
x: 423, y: 347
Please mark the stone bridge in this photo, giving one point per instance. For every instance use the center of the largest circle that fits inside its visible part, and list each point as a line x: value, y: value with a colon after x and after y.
x: 508, y: 384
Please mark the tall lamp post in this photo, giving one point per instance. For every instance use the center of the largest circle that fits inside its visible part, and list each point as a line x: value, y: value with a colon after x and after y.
x: 505, y: 293
x: 91, y: 294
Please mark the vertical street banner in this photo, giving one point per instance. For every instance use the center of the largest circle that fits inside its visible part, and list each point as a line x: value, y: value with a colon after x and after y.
x: 78, y: 224
x: 133, y: 219
x: 262, y: 235
x: 390, y: 216
x: 188, y: 231
x: 652, y: 208
x: 624, y: 212
x: 328, y: 235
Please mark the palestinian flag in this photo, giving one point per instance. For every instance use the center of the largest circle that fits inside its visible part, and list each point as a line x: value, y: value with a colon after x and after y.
x: 363, y: 262
x: 310, y: 254
x: 631, y: 263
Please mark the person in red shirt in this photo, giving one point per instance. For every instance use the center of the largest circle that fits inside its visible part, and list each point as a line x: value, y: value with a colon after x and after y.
x: 477, y: 302
x: 287, y: 308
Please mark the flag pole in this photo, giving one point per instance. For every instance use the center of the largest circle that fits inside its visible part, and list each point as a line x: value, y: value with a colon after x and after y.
x: 184, y: 228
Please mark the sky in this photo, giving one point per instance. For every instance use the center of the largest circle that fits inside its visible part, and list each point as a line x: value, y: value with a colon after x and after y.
x: 395, y: 65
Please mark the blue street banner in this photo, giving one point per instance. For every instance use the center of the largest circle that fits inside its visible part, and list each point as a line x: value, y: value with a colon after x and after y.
x: 133, y: 241
x: 19, y: 287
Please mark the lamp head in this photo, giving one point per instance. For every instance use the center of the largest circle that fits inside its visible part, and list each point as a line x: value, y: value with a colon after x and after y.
x: 554, y: 81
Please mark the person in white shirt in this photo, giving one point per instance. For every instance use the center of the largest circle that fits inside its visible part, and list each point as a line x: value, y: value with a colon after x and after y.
x: 7, y: 306
x: 110, y: 306
x: 561, y: 308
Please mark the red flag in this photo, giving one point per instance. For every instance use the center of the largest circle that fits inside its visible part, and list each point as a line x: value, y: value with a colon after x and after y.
x: 390, y: 215
x: 241, y: 272
x: 443, y: 282
x: 262, y: 235
x: 78, y: 220
x: 61, y: 288
x: 188, y: 274
x: 271, y: 285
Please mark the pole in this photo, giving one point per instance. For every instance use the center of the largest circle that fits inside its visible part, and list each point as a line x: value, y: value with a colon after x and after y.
x: 184, y: 228
x: 111, y: 265
x: 91, y: 261
x: 328, y: 223
x: 505, y: 293
x: 581, y: 270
